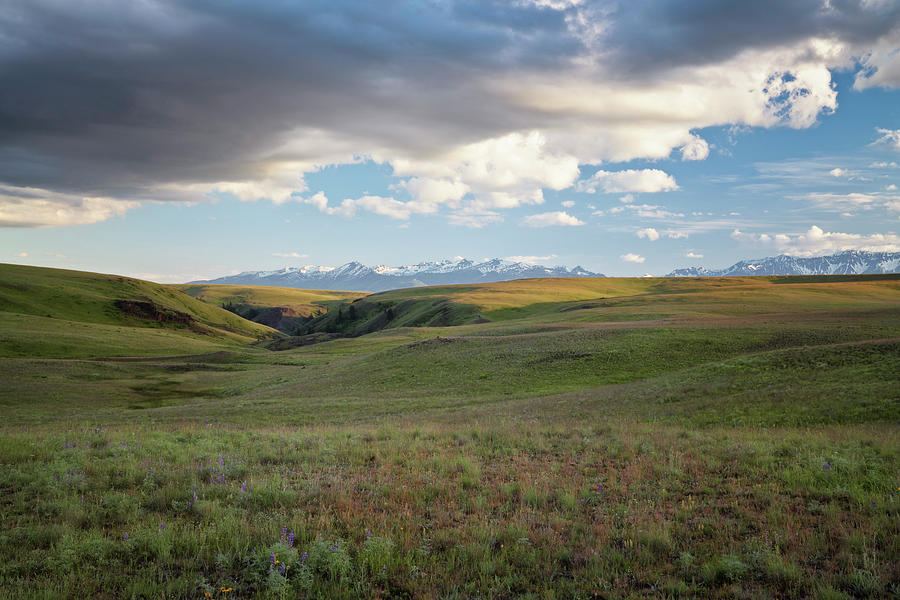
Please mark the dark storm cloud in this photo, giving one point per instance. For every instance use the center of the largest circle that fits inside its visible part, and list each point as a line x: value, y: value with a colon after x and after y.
x: 650, y: 36
x: 103, y: 96
x: 109, y: 97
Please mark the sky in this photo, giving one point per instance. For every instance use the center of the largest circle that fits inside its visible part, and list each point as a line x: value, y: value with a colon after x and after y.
x: 175, y: 140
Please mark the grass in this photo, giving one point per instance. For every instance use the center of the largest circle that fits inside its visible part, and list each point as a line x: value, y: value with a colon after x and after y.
x: 733, y: 441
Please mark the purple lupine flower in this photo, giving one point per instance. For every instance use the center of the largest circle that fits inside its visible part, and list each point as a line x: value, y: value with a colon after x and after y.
x: 291, y: 540
x: 304, y: 557
x: 125, y: 537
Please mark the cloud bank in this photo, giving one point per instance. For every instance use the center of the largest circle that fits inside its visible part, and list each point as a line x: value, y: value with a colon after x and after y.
x: 477, y: 106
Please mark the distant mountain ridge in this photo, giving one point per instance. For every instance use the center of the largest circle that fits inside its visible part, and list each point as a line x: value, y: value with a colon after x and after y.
x: 357, y: 276
x: 851, y: 262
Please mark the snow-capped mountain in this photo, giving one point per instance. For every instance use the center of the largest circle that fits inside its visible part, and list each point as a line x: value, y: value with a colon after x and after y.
x: 358, y: 277
x: 851, y: 262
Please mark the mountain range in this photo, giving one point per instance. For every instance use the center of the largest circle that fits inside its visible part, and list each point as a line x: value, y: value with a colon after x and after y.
x: 851, y: 262
x: 357, y: 276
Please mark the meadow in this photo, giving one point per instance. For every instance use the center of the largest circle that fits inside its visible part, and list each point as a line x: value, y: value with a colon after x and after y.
x: 620, y: 438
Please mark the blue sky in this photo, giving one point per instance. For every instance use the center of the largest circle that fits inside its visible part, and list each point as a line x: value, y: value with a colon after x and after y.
x: 195, y: 140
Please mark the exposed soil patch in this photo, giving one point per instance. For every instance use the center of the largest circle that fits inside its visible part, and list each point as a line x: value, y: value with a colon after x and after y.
x: 152, y: 312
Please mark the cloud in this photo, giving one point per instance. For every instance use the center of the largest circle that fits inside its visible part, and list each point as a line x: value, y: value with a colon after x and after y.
x: 568, y: 203
x: 837, y: 172
x: 816, y: 241
x: 889, y: 137
x: 881, y: 64
x: 674, y: 234
x: 388, y: 207
x: 631, y: 180
x: 695, y: 149
x: 549, y: 219
x: 531, y: 259
x: 693, y: 255
x: 34, y: 207
x: 380, y: 205
x: 891, y: 188
x: 477, y: 106
x: 648, y: 233
x: 474, y: 220
x: 852, y: 201
x: 347, y: 208
x: 290, y: 255
x: 21, y: 254
x: 632, y: 258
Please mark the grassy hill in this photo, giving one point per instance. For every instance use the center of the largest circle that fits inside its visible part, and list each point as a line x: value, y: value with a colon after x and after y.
x: 60, y: 313
x: 284, y: 309
x: 603, y: 299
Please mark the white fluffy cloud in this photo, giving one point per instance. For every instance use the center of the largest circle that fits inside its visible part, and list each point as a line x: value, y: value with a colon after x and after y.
x: 837, y: 172
x: 33, y: 207
x: 695, y: 149
x: 816, y: 241
x: 380, y: 205
x: 693, y: 255
x: 648, y: 233
x: 549, y: 219
x: 631, y: 180
x: 632, y: 258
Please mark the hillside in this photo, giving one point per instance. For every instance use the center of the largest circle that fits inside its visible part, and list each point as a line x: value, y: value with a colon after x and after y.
x: 284, y: 309
x: 601, y: 299
x: 55, y: 312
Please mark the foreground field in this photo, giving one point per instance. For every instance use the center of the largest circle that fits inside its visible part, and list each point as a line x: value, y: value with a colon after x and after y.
x: 625, y: 439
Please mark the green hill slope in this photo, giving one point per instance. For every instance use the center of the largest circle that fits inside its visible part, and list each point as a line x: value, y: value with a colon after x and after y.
x: 604, y: 299
x: 284, y: 309
x: 56, y: 313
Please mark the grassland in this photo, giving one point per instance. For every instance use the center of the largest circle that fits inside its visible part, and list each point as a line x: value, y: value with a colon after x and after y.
x: 724, y: 438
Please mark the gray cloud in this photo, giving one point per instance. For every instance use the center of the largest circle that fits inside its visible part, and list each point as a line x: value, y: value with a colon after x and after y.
x: 649, y: 36
x: 140, y: 101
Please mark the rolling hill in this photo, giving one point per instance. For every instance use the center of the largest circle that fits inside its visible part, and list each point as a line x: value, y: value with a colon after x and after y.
x: 55, y: 313
x: 602, y: 299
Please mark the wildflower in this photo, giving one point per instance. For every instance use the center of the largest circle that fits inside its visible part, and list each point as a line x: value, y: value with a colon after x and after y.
x: 125, y: 537
x: 304, y: 557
